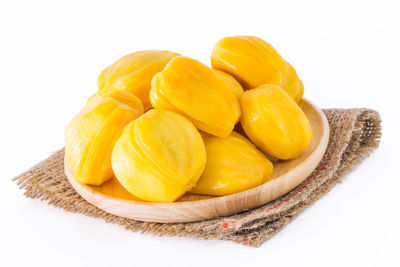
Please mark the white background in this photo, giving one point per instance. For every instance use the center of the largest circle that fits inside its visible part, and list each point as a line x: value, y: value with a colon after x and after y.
x: 51, y: 52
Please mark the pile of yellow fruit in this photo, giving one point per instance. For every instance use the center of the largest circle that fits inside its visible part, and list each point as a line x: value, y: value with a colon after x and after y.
x: 163, y: 123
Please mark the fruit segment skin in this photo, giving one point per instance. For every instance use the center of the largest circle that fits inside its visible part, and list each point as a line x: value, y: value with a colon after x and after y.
x: 133, y: 73
x: 293, y: 85
x: 114, y: 188
x: 274, y: 122
x: 254, y: 62
x: 90, y: 136
x: 197, y: 92
x: 233, y: 165
x: 159, y: 156
x: 235, y: 85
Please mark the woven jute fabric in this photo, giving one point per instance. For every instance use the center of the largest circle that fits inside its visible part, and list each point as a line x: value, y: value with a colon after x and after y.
x: 354, y: 134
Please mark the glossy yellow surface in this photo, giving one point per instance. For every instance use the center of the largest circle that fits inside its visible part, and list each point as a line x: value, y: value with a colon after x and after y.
x: 233, y: 165
x: 274, y: 122
x: 159, y: 156
x: 293, y: 85
x: 90, y: 136
x: 254, y: 62
x: 197, y: 92
x: 114, y: 188
x: 235, y: 85
x: 133, y: 73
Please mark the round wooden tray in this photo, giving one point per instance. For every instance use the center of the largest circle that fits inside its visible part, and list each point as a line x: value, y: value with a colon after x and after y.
x: 113, y: 198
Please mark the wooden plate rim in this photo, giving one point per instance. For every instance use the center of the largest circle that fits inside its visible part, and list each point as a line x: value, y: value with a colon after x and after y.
x: 324, y: 142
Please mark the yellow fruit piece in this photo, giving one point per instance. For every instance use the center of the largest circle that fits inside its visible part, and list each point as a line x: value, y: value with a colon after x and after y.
x: 114, y: 188
x: 197, y: 92
x: 233, y: 165
x: 293, y: 85
x: 159, y: 156
x: 235, y: 85
x: 133, y: 73
x: 274, y: 122
x: 90, y: 136
x: 254, y: 62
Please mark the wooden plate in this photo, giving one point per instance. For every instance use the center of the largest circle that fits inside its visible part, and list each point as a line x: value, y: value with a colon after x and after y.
x: 113, y: 198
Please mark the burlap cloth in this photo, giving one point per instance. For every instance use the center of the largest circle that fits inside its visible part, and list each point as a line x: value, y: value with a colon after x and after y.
x: 354, y: 134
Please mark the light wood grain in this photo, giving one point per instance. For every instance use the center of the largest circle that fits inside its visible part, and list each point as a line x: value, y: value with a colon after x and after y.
x: 113, y: 198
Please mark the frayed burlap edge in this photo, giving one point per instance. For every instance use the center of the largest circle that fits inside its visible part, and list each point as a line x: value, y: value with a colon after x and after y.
x: 355, y: 133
